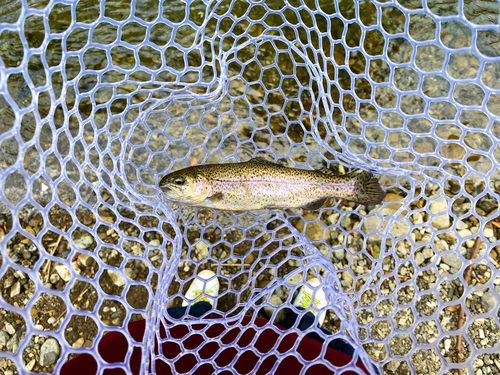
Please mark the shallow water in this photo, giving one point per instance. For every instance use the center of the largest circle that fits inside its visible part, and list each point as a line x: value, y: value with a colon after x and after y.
x: 274, y: 95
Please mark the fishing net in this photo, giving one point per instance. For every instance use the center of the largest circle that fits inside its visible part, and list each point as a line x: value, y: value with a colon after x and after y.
x: 99, y: 99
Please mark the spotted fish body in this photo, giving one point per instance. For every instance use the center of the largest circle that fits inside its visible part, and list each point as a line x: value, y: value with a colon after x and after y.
x: 259, y: 184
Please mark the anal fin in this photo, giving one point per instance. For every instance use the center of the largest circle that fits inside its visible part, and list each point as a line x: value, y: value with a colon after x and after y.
x: 315, y: 205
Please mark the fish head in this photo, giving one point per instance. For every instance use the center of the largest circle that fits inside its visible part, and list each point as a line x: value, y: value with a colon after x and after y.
x: 185, y: 187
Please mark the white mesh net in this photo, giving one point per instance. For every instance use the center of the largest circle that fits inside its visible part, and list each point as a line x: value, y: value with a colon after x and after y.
x: 99, y: 99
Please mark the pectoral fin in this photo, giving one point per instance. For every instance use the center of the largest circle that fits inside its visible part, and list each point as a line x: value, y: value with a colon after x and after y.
x: 315, y: 205
x: 217, y: 197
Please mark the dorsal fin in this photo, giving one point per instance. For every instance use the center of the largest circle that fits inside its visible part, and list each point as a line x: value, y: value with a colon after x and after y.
x: 263, y: 161
x: 327, y: 171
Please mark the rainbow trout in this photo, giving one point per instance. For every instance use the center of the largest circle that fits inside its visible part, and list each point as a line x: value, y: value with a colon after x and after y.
x: 260, y: 184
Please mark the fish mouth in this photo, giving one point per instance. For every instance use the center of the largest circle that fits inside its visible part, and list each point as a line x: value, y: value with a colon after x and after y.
x: 168, y: 188
x: 171, y: 193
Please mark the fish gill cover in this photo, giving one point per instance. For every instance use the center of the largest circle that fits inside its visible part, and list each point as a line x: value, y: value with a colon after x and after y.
x: 100, y: 99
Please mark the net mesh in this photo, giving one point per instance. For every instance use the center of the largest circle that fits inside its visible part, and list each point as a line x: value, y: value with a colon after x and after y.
x: 99, y: 99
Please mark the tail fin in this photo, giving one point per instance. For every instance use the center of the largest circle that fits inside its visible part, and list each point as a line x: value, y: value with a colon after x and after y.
x: 371, y: 192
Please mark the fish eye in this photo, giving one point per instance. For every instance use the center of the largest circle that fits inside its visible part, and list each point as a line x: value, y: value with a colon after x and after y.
x: 179, y: 181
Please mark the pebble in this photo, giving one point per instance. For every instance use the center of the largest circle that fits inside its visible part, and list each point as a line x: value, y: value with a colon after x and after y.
x: 461, y: 225
x: 51, y: 320
x: 155, y: 258
x: 345, y: 222
x: 8, y: 282
x: 295, y: 279
x: 452, y: 260
x: 54, y: 278
x: 339, y: 254
x: 417, y: 219
x: 3, y: 338
x: 481, y: 334
x: 9, y: 328
x: 63, y: 272
x: 249, y: 258
x: 400, y: 229
x: 443, y: 245
x: 324, y: 250
x: 488, y: 232
x: 155, y: 243
x: 202, y: 248
x: 347, y: 280
x: 419, y: 258
x: 371, y: 224
x: 85, y: 241
x: 129, y: 272
x: 393, y: 197
x: 12, y: 344
x: 315, y: 231
x: 488, y: 301
x: 439, y: 206
x: 447, y: 344
x: 30, y: 365
x: 393, y: 365
x: 15, y: 290
x: 464, y: 233
x: 444, y: 266
x: 49, y: 352
x: 427, y: 253
x: 78, y: 343
x: 117, y: 278
x: 333, y: 218
x: 85, y: 259
x: 497, y: 363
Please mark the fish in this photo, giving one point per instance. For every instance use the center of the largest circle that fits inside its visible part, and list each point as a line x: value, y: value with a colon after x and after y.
x: 261, y: 184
